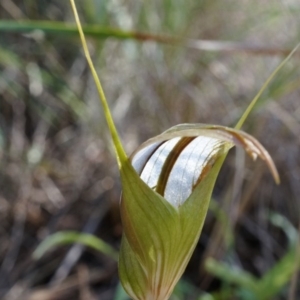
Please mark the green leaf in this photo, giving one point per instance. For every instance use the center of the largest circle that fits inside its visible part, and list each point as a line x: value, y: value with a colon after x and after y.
x: 71, y: 237
x: 282, y: 222
x: 231, y: 275
x: 265, y: 288
x: 65, y: 29
x: 275, y: 279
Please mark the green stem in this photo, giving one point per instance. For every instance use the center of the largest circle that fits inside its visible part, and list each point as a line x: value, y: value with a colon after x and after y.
x: 254, y: 101
x: 120, y: 152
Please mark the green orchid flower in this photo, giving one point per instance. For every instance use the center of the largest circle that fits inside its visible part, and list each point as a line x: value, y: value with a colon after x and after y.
x: 167, y: 185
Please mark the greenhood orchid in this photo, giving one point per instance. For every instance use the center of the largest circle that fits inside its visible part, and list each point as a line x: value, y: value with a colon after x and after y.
x: 167, y: 185
x: 163, y: 211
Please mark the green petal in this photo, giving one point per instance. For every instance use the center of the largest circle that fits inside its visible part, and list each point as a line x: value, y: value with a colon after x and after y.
x: 133, y: 277
x: 193, y: 211
x: 151, y: 226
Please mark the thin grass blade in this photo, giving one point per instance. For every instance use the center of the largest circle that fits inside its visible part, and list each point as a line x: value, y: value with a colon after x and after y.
x: 71, y: 237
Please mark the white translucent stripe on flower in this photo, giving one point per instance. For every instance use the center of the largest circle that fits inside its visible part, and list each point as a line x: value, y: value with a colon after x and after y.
x: 188, y: 167
x: 140, y: 158
x: 152, y: 170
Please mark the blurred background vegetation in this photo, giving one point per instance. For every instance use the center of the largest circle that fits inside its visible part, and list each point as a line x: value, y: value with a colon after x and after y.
x: 57, y: 168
